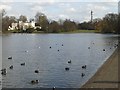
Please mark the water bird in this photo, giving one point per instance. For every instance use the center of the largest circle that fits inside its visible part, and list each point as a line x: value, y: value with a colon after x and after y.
x: 53, y: 88
x: 36, y: 71
x: 114, y: 46
x: 62, y: 44
x: 110, y: 48
x: 58, y: 50
x: 67, y: 68
x: 11, y: 67
x: 103, y: 49
x: 26, y: 51
x: 22, y: 64
x: 4, y: 71
x: 34, y: 81
x: 84, y: 67
x: 10, y: 57
x: 82, y: 75
x: 88, y: 47
x: 50, y: 47
x: 37, y: 81
x: 69, y: 61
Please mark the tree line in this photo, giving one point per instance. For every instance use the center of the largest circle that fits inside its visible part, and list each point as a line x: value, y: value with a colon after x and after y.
x: 110, y: 23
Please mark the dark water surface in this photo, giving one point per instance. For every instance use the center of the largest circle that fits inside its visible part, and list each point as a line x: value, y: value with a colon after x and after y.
x: 33, y: 49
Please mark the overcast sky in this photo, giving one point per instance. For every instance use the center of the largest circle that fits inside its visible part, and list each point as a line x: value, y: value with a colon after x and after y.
x: 78, y: 10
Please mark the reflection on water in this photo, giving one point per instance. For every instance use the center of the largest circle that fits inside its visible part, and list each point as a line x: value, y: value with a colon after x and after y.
x: 35, y: 51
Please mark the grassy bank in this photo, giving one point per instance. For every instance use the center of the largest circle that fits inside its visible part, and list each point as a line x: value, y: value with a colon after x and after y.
x: 82, y: 31
x: 68, y: 32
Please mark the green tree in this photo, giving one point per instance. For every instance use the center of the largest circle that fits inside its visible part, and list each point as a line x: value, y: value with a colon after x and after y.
x: 23, y: 18
x: 5, y: 23
x: 96, y: 24
x: 42, y: 21
x: 2, y: 15
x: 69, y: 25
x: 109, y: 24
x: 7, y: 20
x: 54, y: 27
x: 12, y: 19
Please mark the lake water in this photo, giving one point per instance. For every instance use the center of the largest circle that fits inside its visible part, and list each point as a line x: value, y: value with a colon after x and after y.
x: 33, y: 49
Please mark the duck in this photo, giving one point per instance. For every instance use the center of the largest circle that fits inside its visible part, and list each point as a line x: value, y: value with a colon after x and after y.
x: 26, y: 51
x: 34, y: 81
x: 53, y: 88
x: 36, y: 71
x: 11, y: 67
x: 67, y: 68
x: 4, y: 72
x: 82, y: 75
x: 117, y: 45
x: 84, y: 67
x: 3, y: 69
x: 50, y: 47
x: 103, y: 49
x: 10, y: 57
x: 62, y: 44
x: 69, y: 61
x: 37, y: 81
x: 88, y: 47
x: 22, y: 64
x: 58, y: 50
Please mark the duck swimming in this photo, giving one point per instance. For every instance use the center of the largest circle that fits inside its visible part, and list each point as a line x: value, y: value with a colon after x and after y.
x: 10, y: 57
x: 69, y: 61
x: 22, y: 64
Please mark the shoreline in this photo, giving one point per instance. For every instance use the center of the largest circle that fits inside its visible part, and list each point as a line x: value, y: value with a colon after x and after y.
x: 107, y: 75
x: 62, y: 32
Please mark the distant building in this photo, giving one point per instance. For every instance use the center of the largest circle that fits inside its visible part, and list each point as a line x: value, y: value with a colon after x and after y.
x: 13, y: 26
x: 22, y: 25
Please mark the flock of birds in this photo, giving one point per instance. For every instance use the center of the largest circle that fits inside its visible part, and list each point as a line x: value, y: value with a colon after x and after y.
x: 4, y: 70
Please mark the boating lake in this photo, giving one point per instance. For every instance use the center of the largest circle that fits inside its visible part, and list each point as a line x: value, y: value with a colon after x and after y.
x: 35, y: 51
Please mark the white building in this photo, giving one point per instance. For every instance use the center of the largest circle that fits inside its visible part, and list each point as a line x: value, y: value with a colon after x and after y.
x: 13, y: 26
x: 22, y: 25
